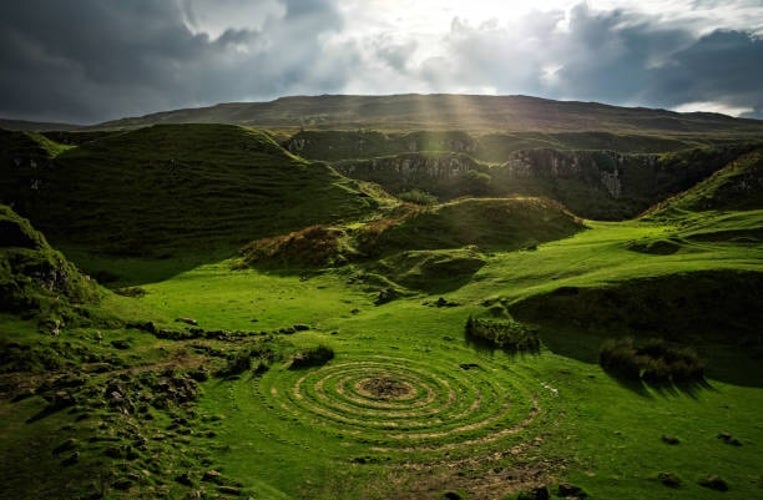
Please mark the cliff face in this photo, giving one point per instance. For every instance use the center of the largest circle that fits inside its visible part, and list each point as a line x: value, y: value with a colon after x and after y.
x: 447, y: 175
x: 410, y: 167
x: 597, y: 169
x: 595, y: 184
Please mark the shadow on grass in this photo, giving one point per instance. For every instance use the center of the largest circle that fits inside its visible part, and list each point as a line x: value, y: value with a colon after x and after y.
x: 665, y: 389
x: 724, y: 362
x: 487, y: 348
x: 120, y: 271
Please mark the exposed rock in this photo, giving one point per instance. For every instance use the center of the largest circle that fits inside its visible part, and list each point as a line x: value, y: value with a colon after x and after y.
x: 567, y: 490
x: 540, y: 493
x: 68, y: 445
x: 213, y: 476
x: 714, y: 482
x: 670, y: 439
x: 230, y: 490
x: 386, y: 295
x: 729, y: 439
x: 669, y: 479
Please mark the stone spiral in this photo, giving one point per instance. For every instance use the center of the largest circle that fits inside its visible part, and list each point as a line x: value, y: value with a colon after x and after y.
x: 395, y: 403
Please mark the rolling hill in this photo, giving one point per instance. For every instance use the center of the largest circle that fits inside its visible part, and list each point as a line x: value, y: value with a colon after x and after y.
x: 166, y: 188
x: 452, y: 112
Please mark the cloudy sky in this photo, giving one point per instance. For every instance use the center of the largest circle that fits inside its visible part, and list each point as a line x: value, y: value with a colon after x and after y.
x: 86, y: 61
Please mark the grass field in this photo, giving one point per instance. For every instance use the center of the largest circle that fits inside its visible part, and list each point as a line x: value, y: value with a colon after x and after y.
x: 188, y: 378
x: 408, y: 409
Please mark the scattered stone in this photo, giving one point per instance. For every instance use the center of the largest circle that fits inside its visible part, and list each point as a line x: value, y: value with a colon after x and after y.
x: 230, y: 490
x: 120, y: 344
x: 113, y: 452
x: 199, y: 375
x: 566, y: 490
x: 61, y: 400
x: 184, y: 479
x: 187, y: 321
x: 670, y: 439
x: 300, y: 327
x: 540, y: 493
x: 714, y: 482
x: 122, y: 484
x: 386, y: 295
x: 213, y: 476
x: 68, y: 445
x: 443, y: 302
x: 669, y: 479
x: 71, y: 459
x: 729, y: 439
x: 451, y: 495
x: 148, y: 326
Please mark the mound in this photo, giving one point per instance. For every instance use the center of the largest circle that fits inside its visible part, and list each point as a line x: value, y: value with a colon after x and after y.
x: 170, y: 187
x: 719, y: 302
x: 489, y: 223
x: 34, y: 278
x: 434, y: 271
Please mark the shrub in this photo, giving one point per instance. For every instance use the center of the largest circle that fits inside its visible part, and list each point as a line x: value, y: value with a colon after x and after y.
x: 654, y: 361
x: 418, y: 197
x: 315, y: 356
x: 508, y: 334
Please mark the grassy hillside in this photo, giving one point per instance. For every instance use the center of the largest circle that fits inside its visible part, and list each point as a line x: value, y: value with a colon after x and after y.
x: 164, y: 189
x: 35, y: 280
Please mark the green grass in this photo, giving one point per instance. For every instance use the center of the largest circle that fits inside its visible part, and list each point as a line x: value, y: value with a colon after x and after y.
x: 180, y: 190
x: 407, y: 407
x: 322, y: 432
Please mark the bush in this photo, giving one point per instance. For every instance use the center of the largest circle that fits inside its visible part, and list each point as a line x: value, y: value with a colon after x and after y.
x: 654, y: 361
x: 418, y: 197
x: 315, y: 356
x: 509, y: 335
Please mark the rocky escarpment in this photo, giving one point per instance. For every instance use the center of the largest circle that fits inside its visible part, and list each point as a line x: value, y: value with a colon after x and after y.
x: 446, y: 174
x: 596, y: 184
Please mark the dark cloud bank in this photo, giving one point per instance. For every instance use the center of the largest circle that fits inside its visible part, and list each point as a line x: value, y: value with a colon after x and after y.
x: 92, y: 60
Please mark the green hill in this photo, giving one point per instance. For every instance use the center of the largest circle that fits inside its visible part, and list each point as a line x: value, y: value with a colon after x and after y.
x: 36, y: 280
x: 737, y: 186
x: 163, y: 189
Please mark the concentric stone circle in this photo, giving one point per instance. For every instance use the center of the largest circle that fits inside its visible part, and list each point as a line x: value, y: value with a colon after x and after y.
x: 394, y: 403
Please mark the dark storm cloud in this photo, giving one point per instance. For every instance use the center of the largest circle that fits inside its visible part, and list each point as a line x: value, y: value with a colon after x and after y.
x: 90, y: 60
x: 613, y: 56
x: 93, y: 60
x: 725, y: 66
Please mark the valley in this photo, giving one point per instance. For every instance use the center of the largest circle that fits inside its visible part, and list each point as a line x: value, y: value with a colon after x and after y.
x: 275, y: 301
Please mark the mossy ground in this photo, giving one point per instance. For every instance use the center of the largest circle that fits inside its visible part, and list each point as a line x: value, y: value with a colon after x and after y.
x: 485, y: 423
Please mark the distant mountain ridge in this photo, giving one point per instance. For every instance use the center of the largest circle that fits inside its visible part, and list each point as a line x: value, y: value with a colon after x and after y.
x: 450, y: 111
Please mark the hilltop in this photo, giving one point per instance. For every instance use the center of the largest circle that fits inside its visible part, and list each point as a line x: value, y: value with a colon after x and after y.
x: 450, y: 112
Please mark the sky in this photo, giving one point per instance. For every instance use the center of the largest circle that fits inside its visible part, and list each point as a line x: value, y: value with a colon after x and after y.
x: 88, y: 61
